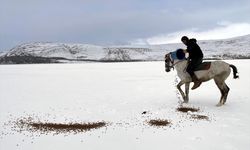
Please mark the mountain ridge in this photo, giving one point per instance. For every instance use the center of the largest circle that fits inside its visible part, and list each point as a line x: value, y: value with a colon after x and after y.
x: 48, y: 52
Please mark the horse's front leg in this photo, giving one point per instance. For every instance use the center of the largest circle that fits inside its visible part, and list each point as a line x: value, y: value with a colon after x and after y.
x: 180, y: 90
x: 187, y: 92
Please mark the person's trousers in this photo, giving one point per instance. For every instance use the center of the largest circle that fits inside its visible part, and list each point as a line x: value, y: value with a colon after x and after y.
x: 192, y: 64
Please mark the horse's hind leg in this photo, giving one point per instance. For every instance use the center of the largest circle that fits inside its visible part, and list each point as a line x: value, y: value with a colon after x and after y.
x: 224, y: 89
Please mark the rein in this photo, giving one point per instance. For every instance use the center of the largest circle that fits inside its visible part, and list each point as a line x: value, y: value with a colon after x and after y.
x: 178, y: 62
x: 172, y: 62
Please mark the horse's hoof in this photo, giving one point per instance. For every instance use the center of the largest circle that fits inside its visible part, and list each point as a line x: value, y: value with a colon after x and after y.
x: 185, y: 101
x: 219, y: 104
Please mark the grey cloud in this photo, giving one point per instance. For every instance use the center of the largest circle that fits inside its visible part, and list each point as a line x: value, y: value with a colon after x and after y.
x: 110, y: 21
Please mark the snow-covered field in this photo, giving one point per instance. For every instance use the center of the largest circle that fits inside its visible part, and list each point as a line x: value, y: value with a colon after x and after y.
x: 119, y: 93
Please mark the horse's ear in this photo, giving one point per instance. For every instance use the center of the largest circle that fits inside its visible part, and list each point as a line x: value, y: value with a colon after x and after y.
x: 166, y: 56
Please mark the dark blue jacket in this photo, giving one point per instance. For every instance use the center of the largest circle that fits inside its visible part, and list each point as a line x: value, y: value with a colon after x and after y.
x: 194, y: 50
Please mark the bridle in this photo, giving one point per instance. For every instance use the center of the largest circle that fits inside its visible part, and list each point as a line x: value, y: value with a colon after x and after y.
x: 169, y: 59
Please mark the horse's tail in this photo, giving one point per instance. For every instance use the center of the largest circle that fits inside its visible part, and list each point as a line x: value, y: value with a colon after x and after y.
x: 235, y: 71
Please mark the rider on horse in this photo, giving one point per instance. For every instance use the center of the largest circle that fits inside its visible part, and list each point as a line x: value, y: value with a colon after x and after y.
x: 195, y: 58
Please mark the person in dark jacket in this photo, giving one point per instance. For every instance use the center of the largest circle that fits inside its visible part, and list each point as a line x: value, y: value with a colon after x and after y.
x: 195, y: 58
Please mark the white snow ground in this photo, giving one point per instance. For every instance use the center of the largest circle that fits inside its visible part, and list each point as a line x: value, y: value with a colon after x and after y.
x: 118, y: 93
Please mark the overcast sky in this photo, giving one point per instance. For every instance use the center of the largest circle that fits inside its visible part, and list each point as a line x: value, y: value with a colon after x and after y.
x: 113, y: 22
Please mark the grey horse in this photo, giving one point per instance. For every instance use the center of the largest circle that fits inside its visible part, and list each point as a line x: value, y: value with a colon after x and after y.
x: 218, y: 70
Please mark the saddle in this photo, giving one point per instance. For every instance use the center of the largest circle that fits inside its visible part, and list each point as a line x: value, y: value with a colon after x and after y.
x: 203, y: 66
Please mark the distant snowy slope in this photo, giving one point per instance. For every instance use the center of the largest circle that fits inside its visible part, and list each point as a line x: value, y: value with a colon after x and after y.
x: 68, y: 51
x: 238, y: 47
x: 127, y: 54
x: 46, y: 52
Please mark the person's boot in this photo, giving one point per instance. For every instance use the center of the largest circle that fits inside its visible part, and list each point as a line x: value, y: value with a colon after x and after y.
x: 196, y: 81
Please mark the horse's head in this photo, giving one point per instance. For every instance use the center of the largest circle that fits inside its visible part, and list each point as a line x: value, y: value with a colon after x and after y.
x: 168, y: 63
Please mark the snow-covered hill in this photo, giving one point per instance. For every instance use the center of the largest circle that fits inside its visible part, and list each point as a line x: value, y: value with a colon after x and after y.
x: 238, y: 47
x: 233, y: 48
x: 45, y: 52
x: 61, y: 50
